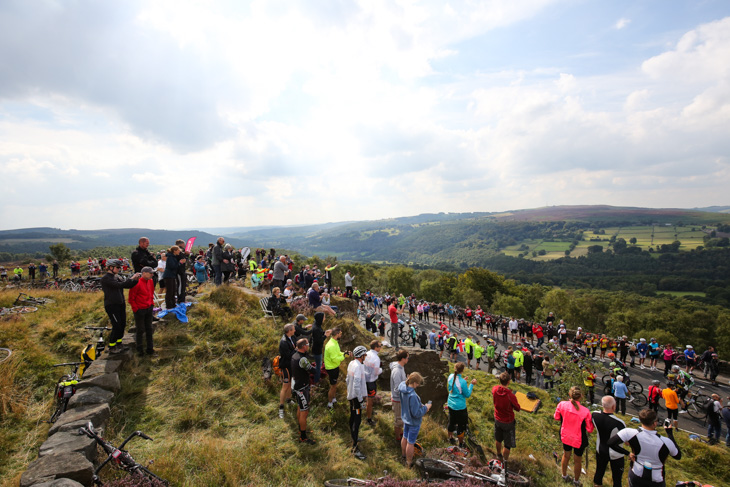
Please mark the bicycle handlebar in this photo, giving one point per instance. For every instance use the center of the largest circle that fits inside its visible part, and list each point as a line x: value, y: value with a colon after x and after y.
x: 69, y: 363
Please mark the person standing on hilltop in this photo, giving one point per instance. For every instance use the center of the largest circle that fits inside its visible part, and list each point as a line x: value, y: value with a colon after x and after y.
x: 182, y: 278
x: 141, y: 256
x: 348, y: 284
x: 280, y: 270
x: 217, y: 260
x: 115, y: 306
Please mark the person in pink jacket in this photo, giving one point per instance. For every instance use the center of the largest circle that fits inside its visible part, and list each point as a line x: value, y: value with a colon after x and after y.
x: 575, y: 424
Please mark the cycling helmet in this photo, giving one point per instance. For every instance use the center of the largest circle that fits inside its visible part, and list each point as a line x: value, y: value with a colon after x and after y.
x: 671, y: 383
x: 612, y: 364
x: 611, y: 355
x: 495, y: 466
x: 642, y: 339
x: 359, y: 351
x: 655, y: 382
x: 689, y: 347
x: 114, y: 263
x: 675, y: 368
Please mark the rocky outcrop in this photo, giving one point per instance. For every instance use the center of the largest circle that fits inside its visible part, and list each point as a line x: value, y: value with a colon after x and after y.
x: 427, y: 363
x: 66, y: 458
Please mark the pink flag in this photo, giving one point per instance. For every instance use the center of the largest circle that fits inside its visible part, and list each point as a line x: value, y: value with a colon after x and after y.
x: 189, y: 245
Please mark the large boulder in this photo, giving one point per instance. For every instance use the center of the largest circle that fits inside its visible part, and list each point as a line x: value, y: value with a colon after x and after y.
x: 88, y: 396
x: 429, y: 365
x: 72, y: 419
x: 69, y: 441
x: 71, y: 465
x: 109, y: 382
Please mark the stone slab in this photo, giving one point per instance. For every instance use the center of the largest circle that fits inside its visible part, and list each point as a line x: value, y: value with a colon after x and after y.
x: 109, y: 382
x: 69, y: 441
x: 90, y: 395
x: 73, y: 466
x: 98, y: 414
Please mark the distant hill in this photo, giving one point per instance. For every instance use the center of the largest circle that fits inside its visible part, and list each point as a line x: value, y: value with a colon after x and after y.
x: 457, y: 239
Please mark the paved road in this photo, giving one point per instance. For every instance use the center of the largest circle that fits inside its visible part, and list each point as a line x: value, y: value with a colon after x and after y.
x: 644, y: 377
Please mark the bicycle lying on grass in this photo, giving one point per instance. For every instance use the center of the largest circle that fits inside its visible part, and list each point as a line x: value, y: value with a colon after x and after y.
x: 122, y: 458
x: 433, y: 468
x: 24, y: 299
x: 17, y: 310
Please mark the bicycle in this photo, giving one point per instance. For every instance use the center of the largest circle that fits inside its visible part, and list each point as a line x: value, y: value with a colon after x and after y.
x: 441, y: 469
x: 633, y: 386
x: 695, y: 403
x: 5, y: 354
x: 24, y: 299
x: 122, y: 458
x: 65, y: 389
x: 17, y: 310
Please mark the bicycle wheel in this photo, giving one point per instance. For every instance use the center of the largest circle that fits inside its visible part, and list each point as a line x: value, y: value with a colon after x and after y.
x: 635, y: 387
x: 5, y: 354
x: 639, y: 401
x: 23, y: 309
x: 516, y: 479
x: 433, y: 468
x: 606, y: 379
x: 694, y: 410
x: 680, y: 360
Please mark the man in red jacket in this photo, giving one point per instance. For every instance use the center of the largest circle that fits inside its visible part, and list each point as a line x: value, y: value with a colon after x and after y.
x: 141, y: 298
x: 505, y: 403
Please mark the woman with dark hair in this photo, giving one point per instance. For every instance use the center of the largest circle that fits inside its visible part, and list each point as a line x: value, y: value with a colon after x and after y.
x: 227, y: 265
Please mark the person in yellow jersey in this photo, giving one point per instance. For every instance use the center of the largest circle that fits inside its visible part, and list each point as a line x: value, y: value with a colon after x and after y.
x: 469, y: 349
x: 333, y: 357
x: 519, y: 361
x: 589, y: 380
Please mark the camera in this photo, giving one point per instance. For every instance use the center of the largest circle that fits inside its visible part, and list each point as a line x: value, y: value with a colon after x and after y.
x: 667, y: 423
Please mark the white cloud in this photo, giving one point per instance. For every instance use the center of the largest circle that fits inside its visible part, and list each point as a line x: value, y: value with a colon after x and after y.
x: 621, y: 23
x: 290, y: 112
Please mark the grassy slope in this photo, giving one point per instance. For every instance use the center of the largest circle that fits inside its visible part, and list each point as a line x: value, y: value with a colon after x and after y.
x: 214, y: 419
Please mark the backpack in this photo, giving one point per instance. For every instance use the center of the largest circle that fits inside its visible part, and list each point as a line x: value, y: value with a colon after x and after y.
x: 275, y: 365
x: 654, y: 394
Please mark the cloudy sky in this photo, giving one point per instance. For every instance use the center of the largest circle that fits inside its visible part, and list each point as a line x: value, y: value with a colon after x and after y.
x: 172, y: 114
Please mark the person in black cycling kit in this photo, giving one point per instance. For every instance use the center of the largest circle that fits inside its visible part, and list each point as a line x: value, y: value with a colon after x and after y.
x: 301, y: 367
x: 649, y: 451
x: 286, y: 350
x: 114, y: 304
x: 607, y: 424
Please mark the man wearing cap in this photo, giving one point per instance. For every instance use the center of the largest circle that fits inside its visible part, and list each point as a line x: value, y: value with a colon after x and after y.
x: 302, y: 330
x: 141, y: 298
x: 653, y: 353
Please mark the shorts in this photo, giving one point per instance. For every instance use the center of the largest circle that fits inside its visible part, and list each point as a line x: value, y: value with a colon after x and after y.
x: 690, y: 362
x: 397, y: 419
x: 302, y: 398
x: 578, y: 451
x: 410, y: 433
x: 642, y: 354
x: 333, y: 375
x: 470, y: 355
x: 458, y: 419
x: 285, y: 375
x: 441, y: 347
x: 672, y: 413
x: 505, y: 433
x: 372, y: 388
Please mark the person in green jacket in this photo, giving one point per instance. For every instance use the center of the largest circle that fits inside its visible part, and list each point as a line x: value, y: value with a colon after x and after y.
x: 519, y: 362
x: 478, y: 351
x: 491, y: 355
x: 469, y: 349
x: 333, y: 357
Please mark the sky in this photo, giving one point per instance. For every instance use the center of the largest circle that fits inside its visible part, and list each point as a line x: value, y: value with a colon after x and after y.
x: 190, y: 114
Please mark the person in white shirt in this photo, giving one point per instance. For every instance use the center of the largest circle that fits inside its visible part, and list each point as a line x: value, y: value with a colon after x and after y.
x: 161, y: 264
x: 356, y: 393
x: 372, y: 371
x: 513, y: 328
